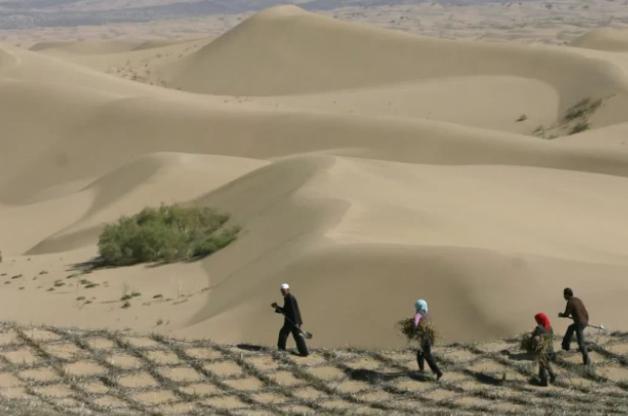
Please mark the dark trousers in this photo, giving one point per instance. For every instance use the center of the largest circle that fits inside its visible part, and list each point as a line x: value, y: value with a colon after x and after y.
x: 425, y: 354
x: 285, y: 330
x: 579, y: 330
x: 545, y: 369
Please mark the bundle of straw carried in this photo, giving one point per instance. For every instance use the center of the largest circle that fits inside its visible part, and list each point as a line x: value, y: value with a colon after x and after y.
x: 527, y: 344
x: 425, y: 331
x: 535, y: 345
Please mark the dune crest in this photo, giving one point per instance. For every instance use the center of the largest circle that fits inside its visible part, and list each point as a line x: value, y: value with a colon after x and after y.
x: 287, y: 51
x: 615, y: 40
x: 85, y: 47
x: 303, y: 50
x: 6, y: 58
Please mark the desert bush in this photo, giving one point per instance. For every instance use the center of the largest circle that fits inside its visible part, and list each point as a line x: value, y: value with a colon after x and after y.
x: 581, y: 126
x: 165, y: 234
x: 583, y: 108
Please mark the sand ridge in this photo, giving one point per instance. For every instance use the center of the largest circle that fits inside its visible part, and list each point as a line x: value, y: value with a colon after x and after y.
x: 615, y: 40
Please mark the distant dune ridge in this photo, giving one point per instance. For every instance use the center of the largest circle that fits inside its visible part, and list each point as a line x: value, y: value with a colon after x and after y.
x: 367, y: 168
x: 604, y: 39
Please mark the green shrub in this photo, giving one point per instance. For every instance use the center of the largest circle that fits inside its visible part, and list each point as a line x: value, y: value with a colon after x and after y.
x: 165, y: 234
x: 583, y: 108
x: 581, y: 126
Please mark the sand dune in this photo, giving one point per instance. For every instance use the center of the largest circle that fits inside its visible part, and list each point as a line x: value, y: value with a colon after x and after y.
x: 287, y: 51
x: 99, y: 47
x: 5, y: 59
x: 86, y: 47
x: 418, y: 234
x: 611, y: 136
x: 133, y: 60
x: 347, y: 306
x: 152, y: 180
x: 142, y: 125
x: 615, y: 40
x: 511, y: 98
x: 103, y: 121
x: 308, y: 220
x: 367, y: 167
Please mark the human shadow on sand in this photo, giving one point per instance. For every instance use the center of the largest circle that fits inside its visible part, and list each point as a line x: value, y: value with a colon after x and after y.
x: 490, y: 379
x: 375, y: 377
x: 251, y: 347
x: 520, y: 356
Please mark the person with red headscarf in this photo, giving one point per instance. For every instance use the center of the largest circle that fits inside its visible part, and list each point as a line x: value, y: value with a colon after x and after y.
x: 543, y: 336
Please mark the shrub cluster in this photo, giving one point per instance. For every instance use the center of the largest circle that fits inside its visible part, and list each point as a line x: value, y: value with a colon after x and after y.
x: 165, y: 234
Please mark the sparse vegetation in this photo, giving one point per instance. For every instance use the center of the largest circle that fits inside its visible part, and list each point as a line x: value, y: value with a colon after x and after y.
x: 130, y: 296
x: 575, y: 120
x: 583, y: 108
x: 581, y: 126
x: 165, y: 234
x: 539, y: 131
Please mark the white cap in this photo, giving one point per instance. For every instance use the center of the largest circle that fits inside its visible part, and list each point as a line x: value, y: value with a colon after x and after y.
x: 285, y: 286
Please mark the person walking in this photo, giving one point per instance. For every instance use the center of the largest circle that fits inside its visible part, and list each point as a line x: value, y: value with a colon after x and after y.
x: 292, y: 321
x: 575, y: 310
x: 422, y: 324
x: 542, y: 337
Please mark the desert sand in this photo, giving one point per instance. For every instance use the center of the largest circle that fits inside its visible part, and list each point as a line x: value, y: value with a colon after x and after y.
x: 368, y: 167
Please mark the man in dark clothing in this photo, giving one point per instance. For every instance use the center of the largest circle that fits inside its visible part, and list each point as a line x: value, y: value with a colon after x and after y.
x: 575, y: 310
x: 292, y: 321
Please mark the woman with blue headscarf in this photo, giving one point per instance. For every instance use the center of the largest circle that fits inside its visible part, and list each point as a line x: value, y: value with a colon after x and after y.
x: 426, y: 339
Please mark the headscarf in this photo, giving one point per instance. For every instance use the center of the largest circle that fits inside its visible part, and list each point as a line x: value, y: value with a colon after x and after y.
x: 421, y: 306
x: 543, y: 320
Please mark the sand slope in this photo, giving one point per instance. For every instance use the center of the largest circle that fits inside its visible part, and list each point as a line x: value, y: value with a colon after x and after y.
x: 615, y: 40
x: 287, y: 51
x: 164, y: 178
x: 367, y: 167
x: 418, y: 234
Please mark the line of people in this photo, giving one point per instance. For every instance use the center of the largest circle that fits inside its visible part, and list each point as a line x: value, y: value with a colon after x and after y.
x: 542, y: 335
